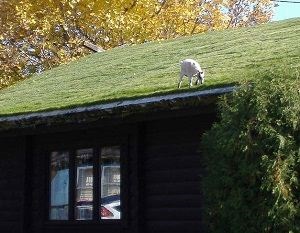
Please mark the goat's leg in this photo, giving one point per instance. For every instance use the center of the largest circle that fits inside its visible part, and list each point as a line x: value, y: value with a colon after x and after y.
x: 199, y: 79
x: 180, y: 80
x: 191, y: 81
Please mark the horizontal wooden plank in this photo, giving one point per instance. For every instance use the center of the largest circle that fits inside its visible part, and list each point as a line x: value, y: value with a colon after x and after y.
x: 10, y: 226
x: 80, y: 227
x: 12, y: 174
x: 178, y: 201
x: 173, y: 214
x: 181, y: 123
x: 176, y: 127
x: 10, y: 215
x: 11, y: 183
x: 174, y: 227
x: 169, y: 163
x: 11, y: 195
x: 176, y: 188
x: 11, y: 163
x: 12, y: 205
x: 82, y: 138
x: 180, y: 175
x: 174, y: 149
x: 169, y: 138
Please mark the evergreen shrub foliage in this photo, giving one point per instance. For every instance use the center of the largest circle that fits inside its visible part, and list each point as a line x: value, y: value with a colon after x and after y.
x: 252, y: 159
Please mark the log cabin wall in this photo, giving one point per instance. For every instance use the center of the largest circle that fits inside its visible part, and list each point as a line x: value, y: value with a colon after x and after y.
x: 172, y: 174
x: 162, y: 170
x: 12, y: 174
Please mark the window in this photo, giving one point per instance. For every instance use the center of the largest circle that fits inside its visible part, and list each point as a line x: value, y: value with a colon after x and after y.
x: 85, y: 184
x: 59, y: 173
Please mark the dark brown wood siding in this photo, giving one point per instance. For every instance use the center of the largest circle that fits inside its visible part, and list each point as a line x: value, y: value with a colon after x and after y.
x: 163, y: 171
x: 172, y: 174
x: 12, y: 171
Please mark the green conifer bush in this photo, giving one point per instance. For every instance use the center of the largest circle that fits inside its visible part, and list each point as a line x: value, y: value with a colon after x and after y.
x: 252, y: 158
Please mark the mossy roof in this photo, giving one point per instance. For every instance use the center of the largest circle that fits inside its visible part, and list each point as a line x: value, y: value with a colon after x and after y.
x: 150, y: 69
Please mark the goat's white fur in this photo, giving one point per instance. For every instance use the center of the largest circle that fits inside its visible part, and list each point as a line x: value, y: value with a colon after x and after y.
x: 190, y: 68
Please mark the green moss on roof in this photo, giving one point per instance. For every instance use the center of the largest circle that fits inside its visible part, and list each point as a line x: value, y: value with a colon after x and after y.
x: 228, y: 57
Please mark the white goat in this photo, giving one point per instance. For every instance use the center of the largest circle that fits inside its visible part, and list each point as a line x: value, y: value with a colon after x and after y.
x: 190, y: 68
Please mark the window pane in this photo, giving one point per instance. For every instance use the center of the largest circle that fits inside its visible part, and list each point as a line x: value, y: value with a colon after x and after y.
x: 84, y: 185
x: 59, y: 187
x: 110, y: 183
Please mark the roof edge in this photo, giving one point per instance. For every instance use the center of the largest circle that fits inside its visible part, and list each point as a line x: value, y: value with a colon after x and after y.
x: 117, y: 104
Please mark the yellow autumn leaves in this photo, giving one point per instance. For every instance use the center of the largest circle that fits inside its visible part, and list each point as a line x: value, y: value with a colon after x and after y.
x: 36, y: 35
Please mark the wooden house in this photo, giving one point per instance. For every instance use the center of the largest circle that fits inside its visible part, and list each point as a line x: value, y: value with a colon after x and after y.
x: 108, y: 144
x: 59, y: 167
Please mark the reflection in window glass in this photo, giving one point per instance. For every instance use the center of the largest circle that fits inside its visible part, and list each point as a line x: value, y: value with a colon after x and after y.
x: 110, y: 183
x: 59, y: 175
x: 84, y: 185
